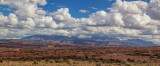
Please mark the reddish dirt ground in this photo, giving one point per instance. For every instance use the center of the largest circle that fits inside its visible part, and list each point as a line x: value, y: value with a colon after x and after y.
x: 24, y: 49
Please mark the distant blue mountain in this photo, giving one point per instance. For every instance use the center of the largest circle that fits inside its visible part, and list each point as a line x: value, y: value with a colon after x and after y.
x: 95, y: 40
x: 139, y: 42
x: 48, y: 37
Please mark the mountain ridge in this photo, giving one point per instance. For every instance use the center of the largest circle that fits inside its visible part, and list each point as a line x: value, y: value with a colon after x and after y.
x: 96, y: 41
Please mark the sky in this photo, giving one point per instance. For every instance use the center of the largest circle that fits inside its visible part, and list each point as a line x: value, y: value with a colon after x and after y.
x: 123, y: 19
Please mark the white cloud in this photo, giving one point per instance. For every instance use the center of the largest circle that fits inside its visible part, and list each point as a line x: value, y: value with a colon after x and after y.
x: 135, y: 7
x: 25, y: 8
x: 125, y: 19
x: 3, y: 32
x: 45, y: 22
x: 102, y: 18
x: 62, y: 15
x: 26, y: 15
x: 84, y: 11
x: 94, y: 8
x: 154, y: 11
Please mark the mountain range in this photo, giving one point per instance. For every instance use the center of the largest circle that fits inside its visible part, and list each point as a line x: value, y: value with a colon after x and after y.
x: 94, y: 41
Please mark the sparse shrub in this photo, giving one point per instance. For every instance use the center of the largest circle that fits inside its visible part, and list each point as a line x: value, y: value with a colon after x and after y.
x: 75, y: 62
x: 90, y: 61
x: 73, y: 57
x: 130, y: 60
x: 38, y: 59
x: 1, y: 61
x: 46, y: 60
x: 69, y: 61
x: 93, y: 56
x: 59, y: 60
x: 144, y: 61
x: 151, y: 57
x: 109, y: 65
x: 35, y: 62
x: 113, y: 61
x: 145, y: 54
x: 101, y: 59
x: 123, y: 62
x: 158, y: 56
x: 86, y: 57
x: 99, y: 64
x: 50, y: 61
x: 128, y: 64
x: 139, y: 61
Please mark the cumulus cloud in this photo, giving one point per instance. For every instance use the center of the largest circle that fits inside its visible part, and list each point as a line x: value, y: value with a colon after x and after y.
x: 135, y: 17
x: 3, y: 32
x: 8, y: 21
x: 25, y: 8
x: 125, y: 19
x: 154, y: 9
x: 135, y: 7
x: 63, y: 15
x: 26, y: 15
x: 45, y: 22
x: 102, y: 18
